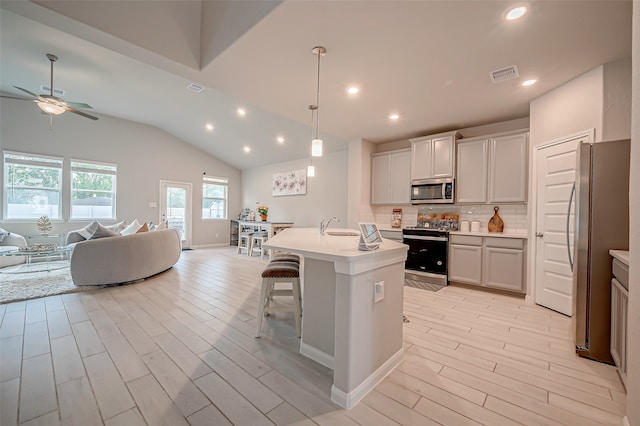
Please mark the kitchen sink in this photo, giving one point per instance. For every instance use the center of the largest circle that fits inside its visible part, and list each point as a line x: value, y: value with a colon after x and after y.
x: 343, y: 233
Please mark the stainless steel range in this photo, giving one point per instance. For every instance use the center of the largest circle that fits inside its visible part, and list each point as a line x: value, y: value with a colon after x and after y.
x: 427, y: 258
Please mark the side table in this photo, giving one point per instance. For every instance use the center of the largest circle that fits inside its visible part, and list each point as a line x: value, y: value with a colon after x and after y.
x: 57, y: 239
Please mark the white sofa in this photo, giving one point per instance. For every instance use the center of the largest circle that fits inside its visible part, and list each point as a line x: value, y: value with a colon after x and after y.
x: 122, y: 259
x: 9, y: 243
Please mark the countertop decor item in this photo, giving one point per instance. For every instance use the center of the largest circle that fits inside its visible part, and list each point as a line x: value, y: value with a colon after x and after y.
x: 263, y: 211
x: 495, y: 223
x: 44, y: 224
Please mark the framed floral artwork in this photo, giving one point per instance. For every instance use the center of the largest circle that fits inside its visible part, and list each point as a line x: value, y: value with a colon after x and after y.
x: 290, y: 183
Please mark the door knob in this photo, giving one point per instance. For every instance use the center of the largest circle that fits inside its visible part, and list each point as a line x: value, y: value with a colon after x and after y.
x: 539, y: 234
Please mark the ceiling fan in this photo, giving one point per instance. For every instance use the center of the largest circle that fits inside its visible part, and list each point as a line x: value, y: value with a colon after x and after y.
x: 53, y: 105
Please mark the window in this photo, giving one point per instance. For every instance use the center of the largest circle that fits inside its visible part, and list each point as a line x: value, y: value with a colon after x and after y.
x: 32, y: 186
x: 93, y: 190
x: 215, y: 193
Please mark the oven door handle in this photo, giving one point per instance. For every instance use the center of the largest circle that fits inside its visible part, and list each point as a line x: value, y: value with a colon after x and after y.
x: 423, y: 237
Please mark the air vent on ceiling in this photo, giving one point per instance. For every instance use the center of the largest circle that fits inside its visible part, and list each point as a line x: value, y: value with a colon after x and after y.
x: 503, y: 74
x: 195, y: 87
x: 56, y: 92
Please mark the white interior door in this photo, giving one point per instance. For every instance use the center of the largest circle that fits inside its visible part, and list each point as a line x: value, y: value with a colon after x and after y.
x: 555, y: 176
x: 175, y: 208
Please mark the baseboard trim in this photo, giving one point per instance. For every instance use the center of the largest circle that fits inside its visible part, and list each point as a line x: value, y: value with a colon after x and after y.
x: 348, y: 400
x: 211, y: 245
x: 317, y: 355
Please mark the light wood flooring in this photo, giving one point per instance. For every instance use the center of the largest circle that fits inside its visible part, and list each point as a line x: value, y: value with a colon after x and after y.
x: 178, y: 349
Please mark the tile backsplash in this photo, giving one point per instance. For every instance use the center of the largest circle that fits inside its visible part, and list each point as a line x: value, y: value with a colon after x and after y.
x: 514, y: 216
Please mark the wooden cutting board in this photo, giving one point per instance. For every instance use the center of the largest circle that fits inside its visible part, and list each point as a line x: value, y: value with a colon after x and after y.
x: 495, y: 223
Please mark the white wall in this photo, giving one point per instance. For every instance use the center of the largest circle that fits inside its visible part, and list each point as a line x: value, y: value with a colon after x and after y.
x: 616, y: 102
x: 326, y: 191
x: 144, y: 155
x: 571, y: 108
x: 633, y: 373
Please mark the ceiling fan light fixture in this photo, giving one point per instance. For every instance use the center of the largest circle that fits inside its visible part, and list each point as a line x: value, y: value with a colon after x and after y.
x: 50, y: 108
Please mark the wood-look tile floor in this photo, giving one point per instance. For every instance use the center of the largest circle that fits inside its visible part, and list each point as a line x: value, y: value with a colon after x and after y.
x: 178, y: 349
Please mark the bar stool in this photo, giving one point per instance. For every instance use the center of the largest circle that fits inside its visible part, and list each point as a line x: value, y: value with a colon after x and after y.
x: 257, y: 240
x: 285, y: 257
x: 280, y: 273
x: 244, y: 242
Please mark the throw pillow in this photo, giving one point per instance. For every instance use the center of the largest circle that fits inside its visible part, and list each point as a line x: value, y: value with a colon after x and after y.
x: 3, y: 234
x: 131, y: 228
x: 162, y: 225
x: 117, y: 227
x: 88, y: 230
x: 143, y: 228
x: 103, y: 232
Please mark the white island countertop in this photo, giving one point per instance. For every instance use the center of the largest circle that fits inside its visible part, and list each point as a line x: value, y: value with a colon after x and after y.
x: 336, y: 247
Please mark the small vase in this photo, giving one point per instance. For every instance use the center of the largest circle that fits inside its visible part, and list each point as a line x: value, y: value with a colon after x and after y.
x: 263, y: 217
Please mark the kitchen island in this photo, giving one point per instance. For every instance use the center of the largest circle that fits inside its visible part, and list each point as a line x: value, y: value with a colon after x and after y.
x: 347, y: 325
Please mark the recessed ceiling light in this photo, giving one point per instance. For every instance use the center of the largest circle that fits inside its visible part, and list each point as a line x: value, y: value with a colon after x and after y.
x: 246, y: 149
x: 280, y: 139
x: 515, y: 13
x: 394, y: 116
x: 242, y: 112
x: 209, y: 127
x: 352, y: 90
x: 529, y: 82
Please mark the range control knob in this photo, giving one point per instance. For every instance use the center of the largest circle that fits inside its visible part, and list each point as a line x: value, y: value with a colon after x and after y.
x: 439, y: 262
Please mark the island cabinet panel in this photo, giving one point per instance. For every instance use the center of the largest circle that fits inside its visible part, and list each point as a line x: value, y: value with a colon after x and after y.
x: 433, y: 157
x: 390, y: 177
x: 471, y: 182
x: 492, y: 169
x: 495, y: 262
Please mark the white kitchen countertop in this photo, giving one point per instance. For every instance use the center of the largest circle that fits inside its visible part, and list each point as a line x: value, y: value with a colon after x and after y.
x: 621, y: 255
x: 522, y: 235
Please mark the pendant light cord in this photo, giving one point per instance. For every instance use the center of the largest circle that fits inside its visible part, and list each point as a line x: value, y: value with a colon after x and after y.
x: 318, y: 98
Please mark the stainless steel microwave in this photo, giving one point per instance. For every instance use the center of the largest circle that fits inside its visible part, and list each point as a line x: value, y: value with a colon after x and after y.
x: 432, y: 191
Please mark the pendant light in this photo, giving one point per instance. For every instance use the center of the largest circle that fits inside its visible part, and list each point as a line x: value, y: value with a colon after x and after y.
x: 316, y: 142
x: 311, y: 169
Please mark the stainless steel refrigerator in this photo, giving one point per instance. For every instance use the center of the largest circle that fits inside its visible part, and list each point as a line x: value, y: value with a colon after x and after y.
x: 602, y: 224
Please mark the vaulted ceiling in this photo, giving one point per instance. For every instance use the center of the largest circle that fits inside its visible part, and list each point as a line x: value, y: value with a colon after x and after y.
x: 429, y: 61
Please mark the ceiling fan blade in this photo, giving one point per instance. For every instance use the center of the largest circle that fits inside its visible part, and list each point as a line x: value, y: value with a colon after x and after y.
x: 78, y: 105
x: 84, y: 114
x: 26, y: 91
x: 15, y: 97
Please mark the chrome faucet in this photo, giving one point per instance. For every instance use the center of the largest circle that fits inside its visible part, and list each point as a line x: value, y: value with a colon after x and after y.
x: 325, y: 224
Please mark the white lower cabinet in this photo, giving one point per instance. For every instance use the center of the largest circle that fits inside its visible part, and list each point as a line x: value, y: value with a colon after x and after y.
x: 495, y: 262
x: 465, y: 260
x: 619, y: 309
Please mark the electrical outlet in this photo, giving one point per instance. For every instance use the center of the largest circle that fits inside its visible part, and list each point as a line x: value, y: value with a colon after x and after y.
x: 378, y: 291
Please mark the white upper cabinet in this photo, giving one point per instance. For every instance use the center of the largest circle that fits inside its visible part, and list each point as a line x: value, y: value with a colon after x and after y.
x: 493, y: 169
x: 471, y: 181
x: 433, y: 157
x: 390, y: 177
x: 508, y: 168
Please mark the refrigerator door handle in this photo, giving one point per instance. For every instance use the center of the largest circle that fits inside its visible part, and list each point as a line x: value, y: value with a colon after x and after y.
x: 573, y: 192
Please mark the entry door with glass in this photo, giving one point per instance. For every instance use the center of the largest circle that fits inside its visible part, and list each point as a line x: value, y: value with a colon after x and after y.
x: 175, y: 208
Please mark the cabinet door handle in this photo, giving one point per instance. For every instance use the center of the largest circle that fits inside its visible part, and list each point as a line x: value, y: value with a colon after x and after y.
x: 539, y: 234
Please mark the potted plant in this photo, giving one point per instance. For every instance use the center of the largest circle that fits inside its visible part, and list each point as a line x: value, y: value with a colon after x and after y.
x: 263, y: 211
